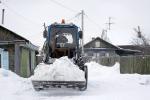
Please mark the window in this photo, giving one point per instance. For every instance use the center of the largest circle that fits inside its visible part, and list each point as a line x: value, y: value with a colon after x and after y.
x: 107, y: 54
x: 97, y: 44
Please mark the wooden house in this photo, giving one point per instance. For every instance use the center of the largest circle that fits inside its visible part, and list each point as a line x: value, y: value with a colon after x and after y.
x: 17, y: 53
x: 99, y: 49
x: 104, y: 52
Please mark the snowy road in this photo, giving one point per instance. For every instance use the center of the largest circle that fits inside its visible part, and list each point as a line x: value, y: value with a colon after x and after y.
x: 105, y: 83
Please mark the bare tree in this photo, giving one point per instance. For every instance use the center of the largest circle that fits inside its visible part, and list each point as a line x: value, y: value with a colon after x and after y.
x: 140, y: 39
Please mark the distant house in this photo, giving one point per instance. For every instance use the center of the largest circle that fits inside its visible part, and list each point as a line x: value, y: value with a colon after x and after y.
x: 99, y: 47
x: 104, y: 52
x: 17, y: 53
x: 98, y: 50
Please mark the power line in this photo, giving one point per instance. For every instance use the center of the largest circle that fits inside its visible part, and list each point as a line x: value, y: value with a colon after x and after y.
x: 92, y: 21
x: 72, y: 18
x: 18, y: 14
x: 64, y: 6
x: 54, y: 1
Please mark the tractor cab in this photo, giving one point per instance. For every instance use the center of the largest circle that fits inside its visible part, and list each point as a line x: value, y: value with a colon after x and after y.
x: 62, y: 40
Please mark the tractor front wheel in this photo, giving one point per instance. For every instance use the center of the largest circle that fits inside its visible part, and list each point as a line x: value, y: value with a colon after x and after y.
x: 83, y: 88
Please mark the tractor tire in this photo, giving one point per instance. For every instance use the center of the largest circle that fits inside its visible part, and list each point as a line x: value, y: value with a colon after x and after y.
x: 83, y: 88
x: 46, y: 53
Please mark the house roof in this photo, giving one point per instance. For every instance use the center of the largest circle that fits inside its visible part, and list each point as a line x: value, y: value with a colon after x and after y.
x: 118, y: 49
x: 14, y: 33
x: 28, y: 44
x: 123, y: 52
x: 100, y: 39
x: 143, y: 49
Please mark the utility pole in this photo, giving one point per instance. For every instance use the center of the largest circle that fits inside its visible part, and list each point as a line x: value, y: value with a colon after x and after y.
x: 109, y: 23
x: 3, y: 12
x: 82, y: 27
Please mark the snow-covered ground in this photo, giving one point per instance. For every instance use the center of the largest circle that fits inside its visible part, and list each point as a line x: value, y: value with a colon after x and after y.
x: 105, y: 83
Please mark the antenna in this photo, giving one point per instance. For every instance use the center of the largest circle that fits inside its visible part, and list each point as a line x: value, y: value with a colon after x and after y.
x: 109, y: 23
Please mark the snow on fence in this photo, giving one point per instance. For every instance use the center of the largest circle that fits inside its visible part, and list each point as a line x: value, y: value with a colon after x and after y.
x: 106, y: 61
x: 135, y: 64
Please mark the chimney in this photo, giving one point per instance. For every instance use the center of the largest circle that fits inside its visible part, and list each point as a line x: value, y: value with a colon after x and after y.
x: 93, y: 38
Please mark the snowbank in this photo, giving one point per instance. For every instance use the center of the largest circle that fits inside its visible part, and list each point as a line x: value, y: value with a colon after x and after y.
x: 97, y: 70
x: 61, y: 70
x: 12, y: 85
x: 100, y: 72
x: 104, y: 83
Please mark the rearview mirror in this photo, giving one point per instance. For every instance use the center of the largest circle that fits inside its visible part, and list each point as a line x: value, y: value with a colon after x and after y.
x: 80, y: 34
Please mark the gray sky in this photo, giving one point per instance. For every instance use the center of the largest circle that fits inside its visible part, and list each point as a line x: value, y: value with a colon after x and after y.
x: 26, y: 17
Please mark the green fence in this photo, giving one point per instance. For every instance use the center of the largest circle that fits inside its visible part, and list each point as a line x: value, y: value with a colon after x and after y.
x: 24, y: 67
x: 135, y: 64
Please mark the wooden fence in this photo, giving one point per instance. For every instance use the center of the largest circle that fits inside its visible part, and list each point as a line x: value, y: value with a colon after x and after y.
x: 135, y: 64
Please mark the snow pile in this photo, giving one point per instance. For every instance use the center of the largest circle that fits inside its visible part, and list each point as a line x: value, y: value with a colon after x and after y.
x: 100, y: 72
x: 61, y: 70
x: 97, y: 70
x: 11, y: 85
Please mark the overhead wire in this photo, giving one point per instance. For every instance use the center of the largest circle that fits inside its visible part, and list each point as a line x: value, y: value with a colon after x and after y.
x: 92, y: 21
x: 60, y: 4
x: 64, y: 6
x: 74, y: 17
x: 21, y: 16
x: 31, y: 21
x: 67, y: 8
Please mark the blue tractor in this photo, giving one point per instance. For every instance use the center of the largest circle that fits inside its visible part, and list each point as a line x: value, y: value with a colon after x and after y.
x: 63, y: 40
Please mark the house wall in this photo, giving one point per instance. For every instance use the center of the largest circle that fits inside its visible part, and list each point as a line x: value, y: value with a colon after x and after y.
x: 24, y: 63
x: 33, y: 60
x: 105, y: 57
x: 98, y: 43
x: 22, y: 60
x: 27, y: 59
x: 7, y: 39
x: 27, y: 62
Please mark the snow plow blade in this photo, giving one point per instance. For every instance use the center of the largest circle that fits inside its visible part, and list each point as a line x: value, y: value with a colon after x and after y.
x: 41, y: 85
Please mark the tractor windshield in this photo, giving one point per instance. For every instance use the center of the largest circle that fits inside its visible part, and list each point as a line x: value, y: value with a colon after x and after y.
x: 65, y: 37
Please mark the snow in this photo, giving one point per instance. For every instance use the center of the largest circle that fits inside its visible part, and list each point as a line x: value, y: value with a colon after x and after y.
x: 104, y: 83
x: 61, y: 70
